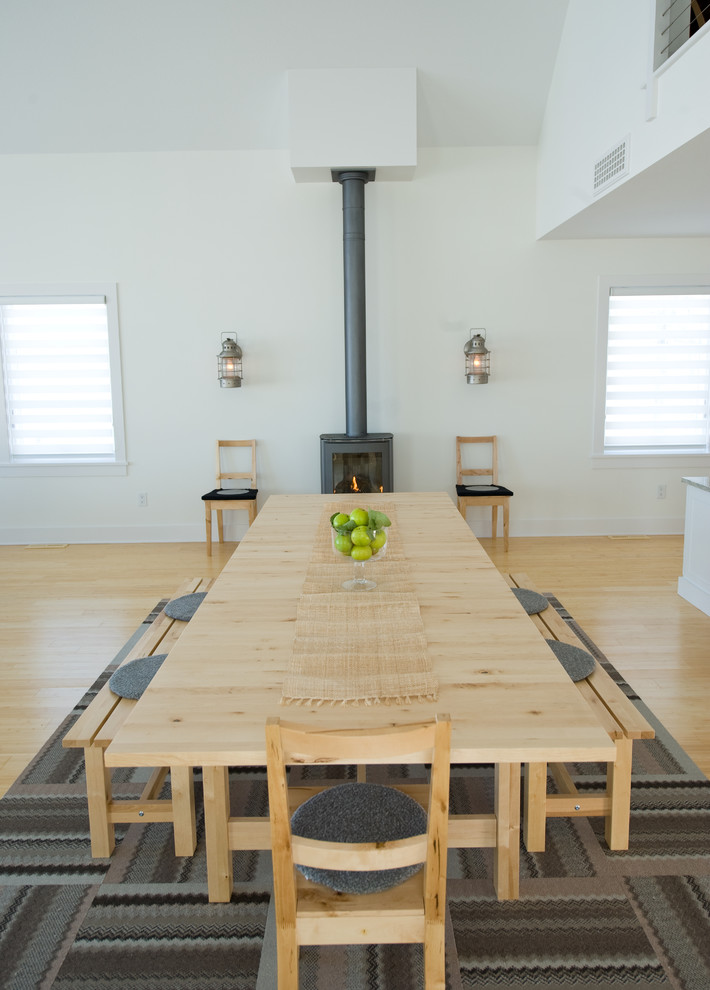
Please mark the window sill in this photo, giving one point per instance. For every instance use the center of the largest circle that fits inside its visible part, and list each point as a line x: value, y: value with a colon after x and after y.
x: 85, y: 469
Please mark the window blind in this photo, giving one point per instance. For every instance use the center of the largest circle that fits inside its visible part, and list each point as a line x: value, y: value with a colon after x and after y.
x: 57, y: 379
x: 658, y: 370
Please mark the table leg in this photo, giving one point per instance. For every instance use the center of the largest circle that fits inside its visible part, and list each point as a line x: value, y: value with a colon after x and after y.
x: 219, y: 855
x: 506, y: 859
x: 182, y: 791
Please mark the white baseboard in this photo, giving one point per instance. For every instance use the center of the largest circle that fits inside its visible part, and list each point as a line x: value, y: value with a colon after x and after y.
x: 694, y: 594
x: 47, y: 535
x: 633, y: 526
x: 195, y: 533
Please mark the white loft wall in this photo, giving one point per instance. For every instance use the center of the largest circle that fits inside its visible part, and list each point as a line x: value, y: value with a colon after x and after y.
x: 602, y: 91
x: 201, y: 243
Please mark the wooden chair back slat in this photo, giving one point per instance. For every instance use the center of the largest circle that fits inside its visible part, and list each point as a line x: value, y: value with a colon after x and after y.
x: 489, y: 470
x: 245, y: 475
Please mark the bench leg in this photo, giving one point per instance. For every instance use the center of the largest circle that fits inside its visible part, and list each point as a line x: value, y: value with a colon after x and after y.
x: 98, y: 792
x: 183, y: 798
x: 618, y: 785
x: 535, y: 806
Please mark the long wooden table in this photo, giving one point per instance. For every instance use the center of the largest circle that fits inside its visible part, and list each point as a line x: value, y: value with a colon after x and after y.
x: 509, y: 699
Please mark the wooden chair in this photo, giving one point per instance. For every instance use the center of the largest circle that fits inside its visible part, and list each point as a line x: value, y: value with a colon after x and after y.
x: 221, y: 498
x: 309, y: 913
x: 491, y: 494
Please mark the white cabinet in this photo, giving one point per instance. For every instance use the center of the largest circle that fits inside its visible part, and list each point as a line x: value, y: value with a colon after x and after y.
x: 694, y: 585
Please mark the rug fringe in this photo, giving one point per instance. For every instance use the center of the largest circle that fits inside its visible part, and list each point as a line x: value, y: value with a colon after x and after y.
x: 357, y: 702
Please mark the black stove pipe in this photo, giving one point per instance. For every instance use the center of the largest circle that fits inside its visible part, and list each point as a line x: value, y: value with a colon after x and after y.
x: 353, y: 183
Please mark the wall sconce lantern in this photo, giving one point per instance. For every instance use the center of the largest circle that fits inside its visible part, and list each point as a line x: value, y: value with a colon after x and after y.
x: 478, y: 358
x: 229, y: 364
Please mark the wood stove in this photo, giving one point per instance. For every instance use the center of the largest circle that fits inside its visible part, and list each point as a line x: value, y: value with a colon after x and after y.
x: 355, y: 461
x: 356, y: 464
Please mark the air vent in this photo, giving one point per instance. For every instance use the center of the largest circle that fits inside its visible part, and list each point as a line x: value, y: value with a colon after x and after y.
x: 612, y: 166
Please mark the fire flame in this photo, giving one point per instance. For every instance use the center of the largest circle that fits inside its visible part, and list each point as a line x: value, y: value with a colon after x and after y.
x: 353, y: 486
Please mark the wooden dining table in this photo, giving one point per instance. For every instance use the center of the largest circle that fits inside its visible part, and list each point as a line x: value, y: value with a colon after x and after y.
x: 509, y: 699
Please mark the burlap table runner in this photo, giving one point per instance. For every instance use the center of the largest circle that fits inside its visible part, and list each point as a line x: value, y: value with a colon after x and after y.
x: 358, y: 647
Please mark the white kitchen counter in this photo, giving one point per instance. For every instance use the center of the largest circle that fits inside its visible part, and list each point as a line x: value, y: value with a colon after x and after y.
x: 694, y: 585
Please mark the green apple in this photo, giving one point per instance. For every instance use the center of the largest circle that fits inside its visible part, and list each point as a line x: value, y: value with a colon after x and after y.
x: 379, y: 540
x: 360, y: 536
x: 343, y: 543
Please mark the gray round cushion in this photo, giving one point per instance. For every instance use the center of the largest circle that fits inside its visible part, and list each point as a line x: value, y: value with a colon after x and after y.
x: 576, y: 661
x: 131, y: 680
x: 531, y: 601
x: 185, y: 607
x: 359, y: 813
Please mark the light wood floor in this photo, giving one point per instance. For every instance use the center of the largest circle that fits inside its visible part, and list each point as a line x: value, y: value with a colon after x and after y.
x: 66, y: 612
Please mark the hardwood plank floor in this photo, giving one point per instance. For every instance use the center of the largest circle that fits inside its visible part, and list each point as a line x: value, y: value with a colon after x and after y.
x: 67, y: 611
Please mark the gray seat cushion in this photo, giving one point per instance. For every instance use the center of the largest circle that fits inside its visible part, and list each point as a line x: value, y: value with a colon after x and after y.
x: 359, y: 813
x: 531, y: 601
x: 185, y: 607
x: 131, y: 680
x: 576, y: 661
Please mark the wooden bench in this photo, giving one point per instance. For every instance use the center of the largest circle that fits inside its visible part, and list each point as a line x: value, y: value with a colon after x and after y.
x: 95, y: 729
x: 624, y: 723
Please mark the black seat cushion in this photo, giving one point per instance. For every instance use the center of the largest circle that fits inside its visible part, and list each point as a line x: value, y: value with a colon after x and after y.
x: 131, y: 680
x: 230, y: 494
x: 577, y: 662
x: 184, y: 608
x: 532, y: 601
x: 359, y: 813
x: 473, y: 490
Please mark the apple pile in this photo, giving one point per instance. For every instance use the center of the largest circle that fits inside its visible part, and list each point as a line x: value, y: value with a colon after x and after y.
x: 360, y: 534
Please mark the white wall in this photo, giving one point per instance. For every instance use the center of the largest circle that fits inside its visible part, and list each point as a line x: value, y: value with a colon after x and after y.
x: 201, y: 243
x: 603, y: 90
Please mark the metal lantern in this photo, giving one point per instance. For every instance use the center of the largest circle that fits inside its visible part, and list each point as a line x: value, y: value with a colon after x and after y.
x: 478, y: 359
x: 229, y: 364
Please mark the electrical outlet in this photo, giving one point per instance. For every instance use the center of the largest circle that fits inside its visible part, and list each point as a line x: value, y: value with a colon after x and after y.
x: 661, y: 491
x: 142, y: 499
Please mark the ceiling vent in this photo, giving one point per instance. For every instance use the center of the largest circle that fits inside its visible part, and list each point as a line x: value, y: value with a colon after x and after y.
x: 612, y: 166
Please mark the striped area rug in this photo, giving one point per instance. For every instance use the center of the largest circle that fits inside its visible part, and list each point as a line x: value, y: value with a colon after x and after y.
x: 140, y: 920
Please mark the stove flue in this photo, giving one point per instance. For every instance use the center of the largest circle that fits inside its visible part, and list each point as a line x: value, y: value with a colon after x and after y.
x: 356, y: 461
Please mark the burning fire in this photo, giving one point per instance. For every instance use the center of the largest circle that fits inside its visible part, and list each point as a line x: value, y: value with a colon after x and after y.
x: 357, y: 484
